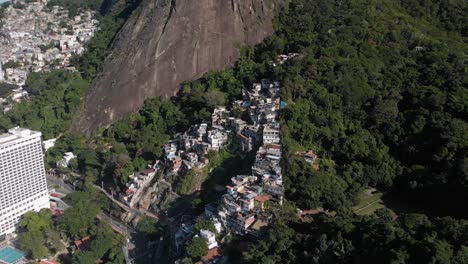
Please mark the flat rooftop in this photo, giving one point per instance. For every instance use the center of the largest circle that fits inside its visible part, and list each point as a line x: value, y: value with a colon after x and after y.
x: 17, y: 133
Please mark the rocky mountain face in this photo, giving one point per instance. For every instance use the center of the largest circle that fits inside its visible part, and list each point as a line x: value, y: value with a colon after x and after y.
x: 166, y: 42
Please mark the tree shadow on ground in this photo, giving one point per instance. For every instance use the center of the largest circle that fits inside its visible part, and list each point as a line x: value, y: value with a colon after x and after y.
x: 214, y: 185
x: 432, y: 200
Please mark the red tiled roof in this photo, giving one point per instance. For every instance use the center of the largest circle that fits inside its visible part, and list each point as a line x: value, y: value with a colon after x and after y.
x: 212, y: 254
x: 274, y: 146
x: 83, y: 243
x: 310, y: 212
x: 148, y: 171
x: 57, y: 212
x: 262, y: 198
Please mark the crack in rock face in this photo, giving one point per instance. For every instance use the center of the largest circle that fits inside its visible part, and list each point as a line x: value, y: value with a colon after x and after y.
x: 166, y: 42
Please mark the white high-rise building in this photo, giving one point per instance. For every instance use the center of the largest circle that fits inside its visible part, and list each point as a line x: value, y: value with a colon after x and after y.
x: 23, y: 185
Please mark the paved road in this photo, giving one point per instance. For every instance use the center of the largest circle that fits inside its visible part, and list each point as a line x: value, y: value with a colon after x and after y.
x: 117, y: 224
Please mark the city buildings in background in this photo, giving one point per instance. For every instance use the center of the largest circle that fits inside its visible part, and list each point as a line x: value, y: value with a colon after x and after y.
x: 38, y: 37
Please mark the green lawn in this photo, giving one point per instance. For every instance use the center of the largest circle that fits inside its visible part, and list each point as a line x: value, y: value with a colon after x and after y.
x: 368, y: 203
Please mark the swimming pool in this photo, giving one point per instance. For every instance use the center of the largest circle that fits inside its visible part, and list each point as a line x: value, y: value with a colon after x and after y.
x: 10, y: 255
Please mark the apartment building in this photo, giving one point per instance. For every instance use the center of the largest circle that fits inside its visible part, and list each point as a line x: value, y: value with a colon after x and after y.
x: 23, y: 185
x: 271, y: 135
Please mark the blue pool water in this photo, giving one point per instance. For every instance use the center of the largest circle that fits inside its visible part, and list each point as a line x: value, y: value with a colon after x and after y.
x: 10, y: 255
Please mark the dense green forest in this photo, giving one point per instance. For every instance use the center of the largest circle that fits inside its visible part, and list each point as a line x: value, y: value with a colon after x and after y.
x: 380, y: 92
x: 412, y: 238
x: 56, y: 98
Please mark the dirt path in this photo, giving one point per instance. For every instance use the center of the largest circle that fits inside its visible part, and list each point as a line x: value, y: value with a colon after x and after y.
x: 364, y: 207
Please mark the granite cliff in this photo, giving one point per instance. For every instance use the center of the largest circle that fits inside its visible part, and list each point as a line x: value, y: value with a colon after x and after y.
x: 166, y: 42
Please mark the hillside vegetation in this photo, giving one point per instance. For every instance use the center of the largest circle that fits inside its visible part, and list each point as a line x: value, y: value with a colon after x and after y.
x: 380, y: 93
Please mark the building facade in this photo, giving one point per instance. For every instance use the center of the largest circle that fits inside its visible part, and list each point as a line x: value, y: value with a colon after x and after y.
x: 23, y: 185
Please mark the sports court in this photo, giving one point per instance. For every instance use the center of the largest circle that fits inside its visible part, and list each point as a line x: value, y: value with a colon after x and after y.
x: 10, y: 255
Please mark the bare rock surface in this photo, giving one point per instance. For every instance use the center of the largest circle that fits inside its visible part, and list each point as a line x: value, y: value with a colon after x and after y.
x: 166, y: 42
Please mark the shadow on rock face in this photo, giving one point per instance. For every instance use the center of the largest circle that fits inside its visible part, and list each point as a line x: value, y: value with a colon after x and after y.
x: 164, y: 43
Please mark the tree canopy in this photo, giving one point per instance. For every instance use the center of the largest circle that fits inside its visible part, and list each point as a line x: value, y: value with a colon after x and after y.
x: 196, y: 247
x: 78, y: 219
x: 412, y: 238
x: 38, y: 237
x: 379, y: 93
x: 382, y: 103
x: 149, y: 227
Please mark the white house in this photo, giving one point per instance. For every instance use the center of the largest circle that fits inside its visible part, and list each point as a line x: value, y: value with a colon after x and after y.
x: 67, y: 157
x: 209, y: 237
x: 217, y: 139
x: 47, y: 144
